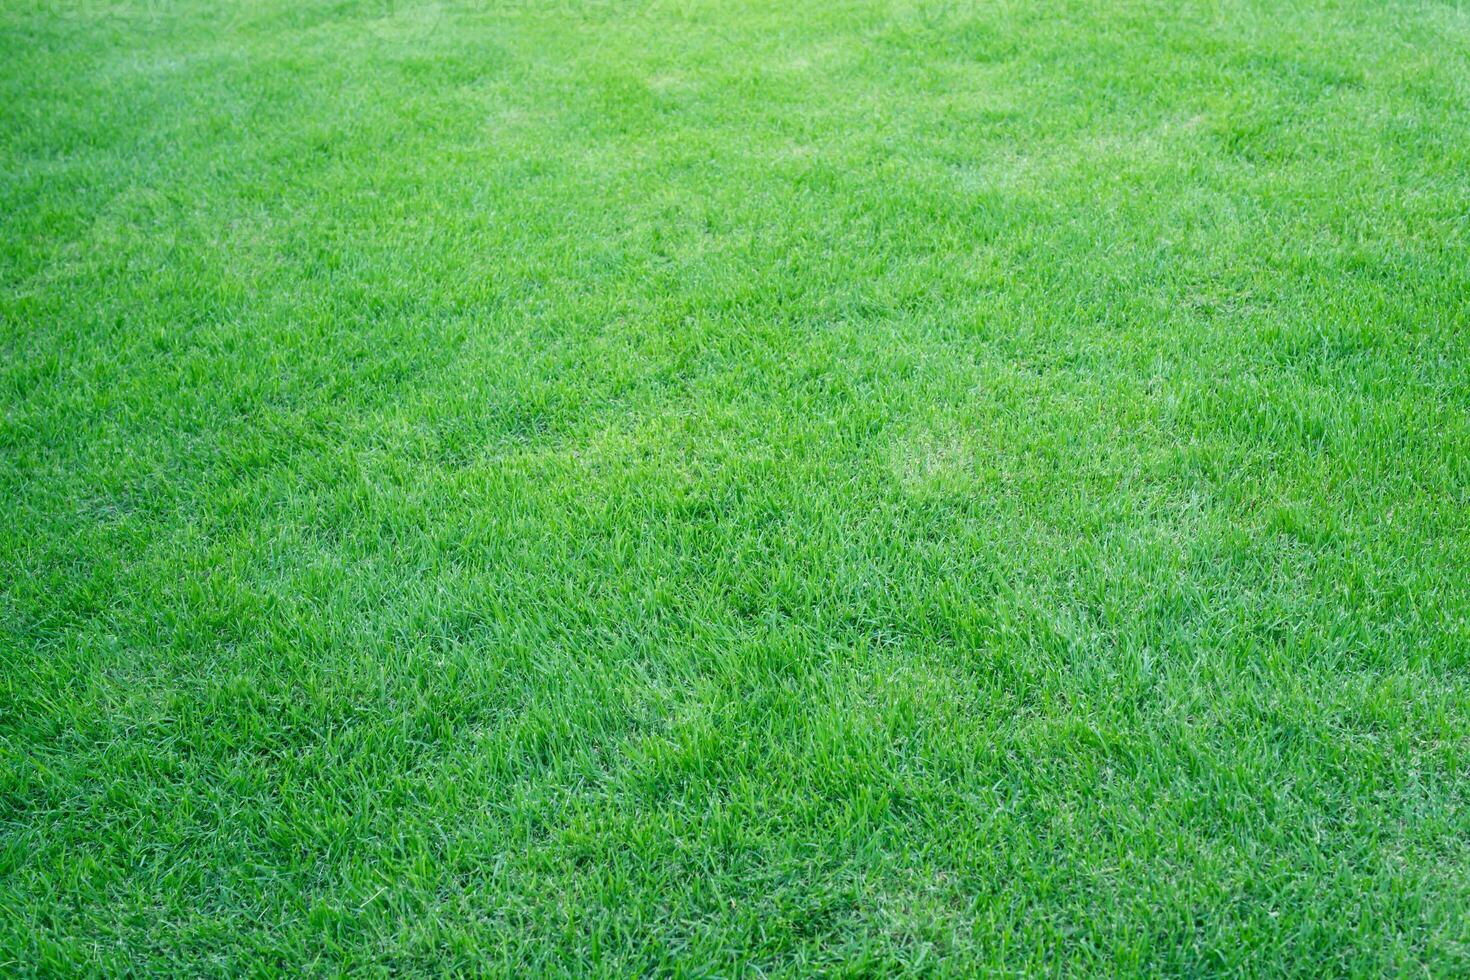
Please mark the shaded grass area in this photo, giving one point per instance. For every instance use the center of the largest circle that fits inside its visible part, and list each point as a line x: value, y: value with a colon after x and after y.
x: 628, y: 487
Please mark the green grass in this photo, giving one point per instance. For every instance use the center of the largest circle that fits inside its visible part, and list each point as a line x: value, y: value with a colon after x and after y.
x: 740, y: 488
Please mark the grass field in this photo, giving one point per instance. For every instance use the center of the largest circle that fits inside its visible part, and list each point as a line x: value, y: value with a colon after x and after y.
x: 735, y: 488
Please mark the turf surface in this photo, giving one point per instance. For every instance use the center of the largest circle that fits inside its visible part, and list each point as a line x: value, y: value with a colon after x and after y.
x: 675, y: 486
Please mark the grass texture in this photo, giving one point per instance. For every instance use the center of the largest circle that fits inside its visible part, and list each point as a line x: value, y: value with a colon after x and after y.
x: 735, y: 488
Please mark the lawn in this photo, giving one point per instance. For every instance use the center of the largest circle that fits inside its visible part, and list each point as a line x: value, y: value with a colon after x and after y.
x: 735, y: 487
